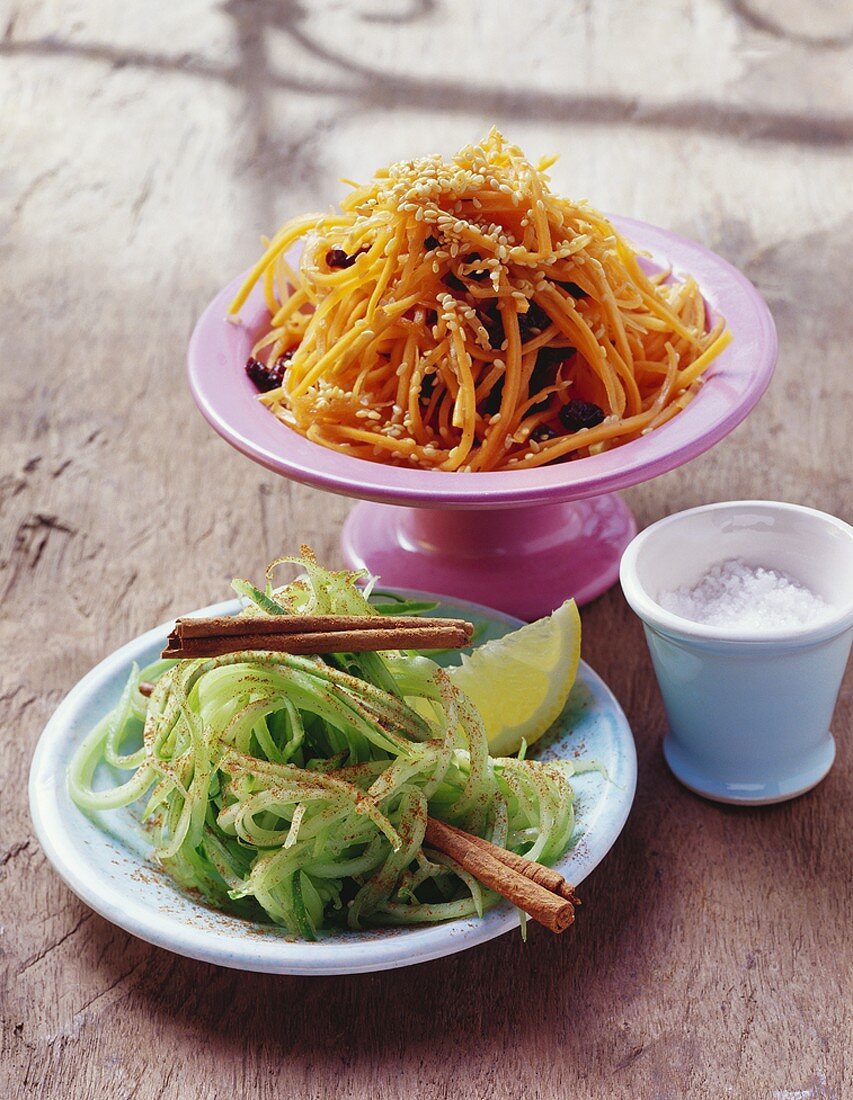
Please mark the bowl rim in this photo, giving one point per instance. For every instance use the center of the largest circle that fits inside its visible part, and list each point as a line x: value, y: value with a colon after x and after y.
x: 667, y: 622
x: 735, y: 383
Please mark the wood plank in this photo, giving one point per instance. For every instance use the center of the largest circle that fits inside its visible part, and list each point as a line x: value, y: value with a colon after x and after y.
x: 144, y: 150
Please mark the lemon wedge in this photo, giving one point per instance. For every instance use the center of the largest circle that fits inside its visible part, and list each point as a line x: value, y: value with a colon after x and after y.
x: 520, y: 682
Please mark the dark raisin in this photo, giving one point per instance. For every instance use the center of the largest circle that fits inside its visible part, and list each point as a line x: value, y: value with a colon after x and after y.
x: 473, y: 258
x: 493, y: 324
x: 574, y: 290
x: 535, y: 320
x: 551, y: 358
x: 258, y: 374
x: 283, y: 362
x: 427, y: 386
x: 492, y: 402
x: 336, y: 257
x: 544, y: 374
x: 431, y: 243
x: 268, y: 378
x: 548, y: 362
x: 542, y: 433
x: 454, y: 283
x: 578, y: 414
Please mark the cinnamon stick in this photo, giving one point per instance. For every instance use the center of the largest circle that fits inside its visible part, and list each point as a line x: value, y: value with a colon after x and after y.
x: 307, y: 634
x: 546, y: 876
x: 553, y: 910
x: 227, y: 625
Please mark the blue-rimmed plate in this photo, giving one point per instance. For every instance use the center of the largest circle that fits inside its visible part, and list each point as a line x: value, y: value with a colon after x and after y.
x: 105, y: 857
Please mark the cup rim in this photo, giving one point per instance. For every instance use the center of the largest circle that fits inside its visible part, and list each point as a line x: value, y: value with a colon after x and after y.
x: 651, y: 612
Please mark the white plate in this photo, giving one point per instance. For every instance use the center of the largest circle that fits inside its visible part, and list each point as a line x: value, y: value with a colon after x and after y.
x: 105, y: 861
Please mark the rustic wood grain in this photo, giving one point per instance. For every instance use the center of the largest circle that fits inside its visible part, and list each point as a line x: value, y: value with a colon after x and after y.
x: 144, y: 148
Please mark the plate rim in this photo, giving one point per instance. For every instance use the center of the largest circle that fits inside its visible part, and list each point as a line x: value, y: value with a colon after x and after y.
x: 289, y: 956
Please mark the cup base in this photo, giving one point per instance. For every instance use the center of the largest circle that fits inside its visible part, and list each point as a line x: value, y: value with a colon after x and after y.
x: 748, y: 792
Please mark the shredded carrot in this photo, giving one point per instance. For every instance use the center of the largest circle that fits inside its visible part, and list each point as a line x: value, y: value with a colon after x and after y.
x: 455, y: 315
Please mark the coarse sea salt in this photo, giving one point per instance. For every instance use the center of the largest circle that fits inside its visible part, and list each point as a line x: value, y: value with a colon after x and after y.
x: 745, y: 597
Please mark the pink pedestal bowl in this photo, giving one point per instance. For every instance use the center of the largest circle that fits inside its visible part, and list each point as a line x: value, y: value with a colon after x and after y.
x: 520, y: 540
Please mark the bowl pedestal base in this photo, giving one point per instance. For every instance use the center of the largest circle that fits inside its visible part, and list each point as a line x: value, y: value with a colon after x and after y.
x: 524, y: 560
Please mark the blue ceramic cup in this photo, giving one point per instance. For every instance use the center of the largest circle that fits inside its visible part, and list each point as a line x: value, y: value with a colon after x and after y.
x: 749, y: 710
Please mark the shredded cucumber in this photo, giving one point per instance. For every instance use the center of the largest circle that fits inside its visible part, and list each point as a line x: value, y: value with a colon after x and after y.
x: 297, y: 789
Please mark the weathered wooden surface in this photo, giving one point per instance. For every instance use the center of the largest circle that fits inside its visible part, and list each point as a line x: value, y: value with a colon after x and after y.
x: 143, y: 149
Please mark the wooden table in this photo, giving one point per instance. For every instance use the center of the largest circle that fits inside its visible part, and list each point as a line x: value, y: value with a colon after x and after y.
x: 144, y: 149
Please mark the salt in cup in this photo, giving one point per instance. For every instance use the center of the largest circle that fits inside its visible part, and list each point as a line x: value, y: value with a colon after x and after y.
x: 749, y: 708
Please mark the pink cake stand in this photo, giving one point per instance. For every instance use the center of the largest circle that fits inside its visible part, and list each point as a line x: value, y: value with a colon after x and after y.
x: 522, y: 540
